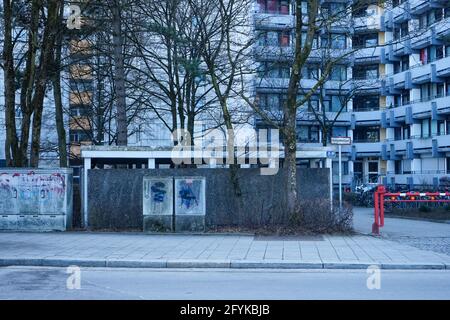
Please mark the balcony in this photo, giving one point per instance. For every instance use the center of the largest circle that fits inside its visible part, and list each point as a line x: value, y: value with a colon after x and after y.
x: 372, y: 117
x: 372, y: 22
x: 273, y: 21
x: 371, y: 54
x: 401, y: 13
x: 366, y: 148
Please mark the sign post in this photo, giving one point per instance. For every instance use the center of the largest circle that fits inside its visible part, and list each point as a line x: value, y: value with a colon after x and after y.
x: 340, y: 141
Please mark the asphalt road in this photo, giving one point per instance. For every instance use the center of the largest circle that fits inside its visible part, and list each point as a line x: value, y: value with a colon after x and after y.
x: 103, y: 283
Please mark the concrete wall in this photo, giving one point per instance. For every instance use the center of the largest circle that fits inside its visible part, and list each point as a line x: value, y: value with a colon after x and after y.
x: 35, y: 199
x: 115, y: 195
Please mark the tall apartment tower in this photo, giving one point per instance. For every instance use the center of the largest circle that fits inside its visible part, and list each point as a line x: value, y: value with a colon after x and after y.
x: 417, y: 90
x: 398, y: 114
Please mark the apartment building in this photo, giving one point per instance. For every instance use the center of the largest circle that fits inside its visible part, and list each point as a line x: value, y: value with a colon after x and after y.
x: 397, y: 109
x: 391, y: 94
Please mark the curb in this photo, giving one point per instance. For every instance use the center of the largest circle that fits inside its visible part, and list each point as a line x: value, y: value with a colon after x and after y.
x: 214, y: 264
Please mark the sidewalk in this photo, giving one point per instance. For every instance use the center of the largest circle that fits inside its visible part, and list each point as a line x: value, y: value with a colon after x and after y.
x: 211, y: 251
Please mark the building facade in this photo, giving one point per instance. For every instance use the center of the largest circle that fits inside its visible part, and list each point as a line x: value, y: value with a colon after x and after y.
x: 390, y: 94
x: 397, y: 103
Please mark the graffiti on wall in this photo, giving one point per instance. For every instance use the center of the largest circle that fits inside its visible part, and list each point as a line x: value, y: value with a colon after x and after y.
x: 158, y: 195
x: 31, y: 193
x: 190, y: 196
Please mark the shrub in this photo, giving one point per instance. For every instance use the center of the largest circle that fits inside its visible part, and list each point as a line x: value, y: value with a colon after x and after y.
x: 315, y: 215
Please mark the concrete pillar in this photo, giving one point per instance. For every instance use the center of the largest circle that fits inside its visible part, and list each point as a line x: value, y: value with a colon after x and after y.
x: 86, y: 167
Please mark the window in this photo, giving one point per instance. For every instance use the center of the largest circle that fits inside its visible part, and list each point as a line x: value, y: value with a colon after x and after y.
x: 312, y: 103
x: 273, y: 70
x: 284, y: 39
x: 406, y: 132
x: 366, y: 134
x: 334, y: 41
x: 311, y: 71
x: 402, y: 65
x: 398, y: 166
x: 79, y: 111
x: 365, y: 40
x: 426, y: 128
x: 339, y: 132
x: 366, y: 103
x: 307, y: 134
x: 401, y: 31
x: 334, y: 103
x: 402, y: 98
x: 365, y: 72
x: 406, y: 166
x: 333, y: 9
x: 78, y: 136
x: 274, y: 6
x: 274, y: 38
x: 440, y: 127
x: 338, y: 73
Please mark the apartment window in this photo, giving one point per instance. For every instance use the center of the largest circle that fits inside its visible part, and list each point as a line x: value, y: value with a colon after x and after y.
x: 430, y: 17
x: 274, y: 6
x: 398, y: 166
x: 365, y: 72
x: 307, y: 134
x: 339, y: 132
x: 311, y: 71
x: 273, y: 70
x: 401, y: 31
x: 78, y: 136
x: 274, y: 38
x: 366, y: 134
x: 334, y: 41
x: 425, y: 92
x: 334, y: 103
x: 333, y: 9
x: 396, y: 3
x: 312, y: 103
x: 440, y: 127
x: 366, y: 103
x: 406, y: 132
x: 365, y: 40
x: 426, y: 128
x: 397, y: 133
x: 402, y: 99
x: 406, y: 166
x: 79, y: 111
x: 447, y: 86
x: 314, y: 44
x: 402, y: 65
x: 338, y: 73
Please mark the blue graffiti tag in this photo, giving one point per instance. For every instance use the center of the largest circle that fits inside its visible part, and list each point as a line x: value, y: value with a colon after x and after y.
x: 158, y: 191
x: 187, y: 196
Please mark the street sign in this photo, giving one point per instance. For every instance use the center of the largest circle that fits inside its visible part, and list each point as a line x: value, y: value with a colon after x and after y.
x: 341, y: 140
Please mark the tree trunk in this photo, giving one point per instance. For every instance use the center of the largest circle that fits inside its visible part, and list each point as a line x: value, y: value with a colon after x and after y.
x: 50, y: 32
x: 26, y: 94
x: 56, y: 81
x: 12, y: 153
x: 290, y: 159
x: 119, y: 75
